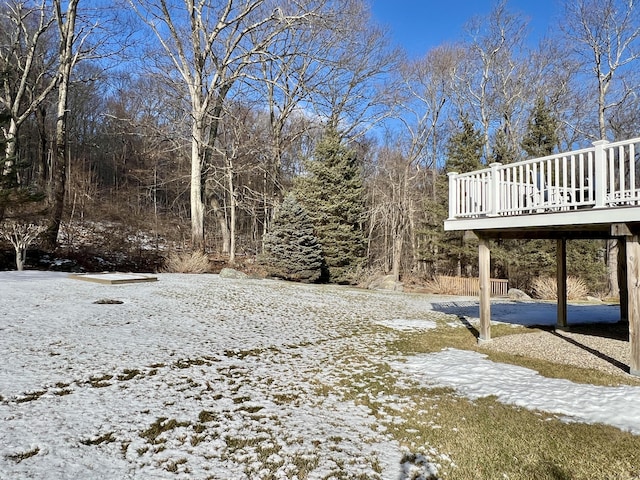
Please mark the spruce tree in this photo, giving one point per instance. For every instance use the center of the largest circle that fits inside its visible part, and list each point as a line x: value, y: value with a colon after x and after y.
x: 524, y: 260
x: 464, y: 154
x: 502, y: 151
x: 291, y: 250
x: 333, y: 193
x: 542, y: 131
x: 464, y: 149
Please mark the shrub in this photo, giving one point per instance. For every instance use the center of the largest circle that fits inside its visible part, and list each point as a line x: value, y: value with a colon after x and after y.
x: 547, y: 288
x: 291, y: 250
x: 187, y: 262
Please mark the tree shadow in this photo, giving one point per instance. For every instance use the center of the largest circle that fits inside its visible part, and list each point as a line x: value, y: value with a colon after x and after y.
x: 591, y: 330
x: 549, y: 469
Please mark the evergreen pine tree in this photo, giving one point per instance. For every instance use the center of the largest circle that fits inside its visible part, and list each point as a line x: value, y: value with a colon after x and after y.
x: 464, y: 149
x: 503, y: 152
x: 291, y: 250
x: 464, y: 154
x: 542, y: 131
x: 333, y: 194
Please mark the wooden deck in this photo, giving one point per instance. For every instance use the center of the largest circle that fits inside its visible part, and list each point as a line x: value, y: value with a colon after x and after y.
x: 588, y: 193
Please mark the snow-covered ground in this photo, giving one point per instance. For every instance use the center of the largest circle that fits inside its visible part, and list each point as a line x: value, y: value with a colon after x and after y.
x: 197, y: 376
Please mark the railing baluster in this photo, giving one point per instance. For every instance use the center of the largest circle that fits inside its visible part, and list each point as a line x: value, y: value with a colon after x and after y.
x: 556, y: 179
x: 600, y: 171
x: 565, y: 188
x: 572, y: 178
x: 622, y: 171
x: 611, y: 188
x: 454, y: 211
x: 494, y: 204
x: 591, y: 167
x: 547, y: 183
x: 522, y: 189
x: 632, y: 173
x: 581, y: 182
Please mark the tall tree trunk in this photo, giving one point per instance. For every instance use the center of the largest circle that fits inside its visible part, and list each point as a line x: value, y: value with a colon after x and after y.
x: 222, y: 222
x: 11, y: 148
x: 55, y: 193
x: 197, y: 203
x: 232, y: 213
x: 42, y: 173
x: 56, y: 190
x: 398, y: 242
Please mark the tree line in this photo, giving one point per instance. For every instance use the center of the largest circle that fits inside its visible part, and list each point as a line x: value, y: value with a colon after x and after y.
x: 194, y: 120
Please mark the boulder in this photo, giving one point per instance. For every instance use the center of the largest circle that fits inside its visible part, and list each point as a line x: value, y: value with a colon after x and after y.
x: 387, y: 282
x: 515, y: 294
x: 231, y: 273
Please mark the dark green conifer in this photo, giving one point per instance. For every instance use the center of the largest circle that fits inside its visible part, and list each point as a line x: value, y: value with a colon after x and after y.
x: 542, y: 131
x: 332, y: 192
x: 464, y: 149
x: 291, y: 250
x: 503, y: 151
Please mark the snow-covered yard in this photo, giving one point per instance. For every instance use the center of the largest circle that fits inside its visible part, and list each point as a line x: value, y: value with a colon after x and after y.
x: 197, y: 376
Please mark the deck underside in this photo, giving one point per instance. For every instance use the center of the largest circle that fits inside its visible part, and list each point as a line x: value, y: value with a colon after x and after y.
x: 605, y: 223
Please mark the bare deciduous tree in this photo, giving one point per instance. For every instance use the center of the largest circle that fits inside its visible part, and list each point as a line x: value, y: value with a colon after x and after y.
x: 211, y: 45
x: 30, y: 71
x: 605, y: 35
x: 491, y: 84
x: 20, y: 235
x: 350, y: 91
x: 67, y: 58
x: 406, y: 171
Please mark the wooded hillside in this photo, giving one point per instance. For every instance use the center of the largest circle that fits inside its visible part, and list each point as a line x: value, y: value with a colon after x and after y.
x: 136, y: 129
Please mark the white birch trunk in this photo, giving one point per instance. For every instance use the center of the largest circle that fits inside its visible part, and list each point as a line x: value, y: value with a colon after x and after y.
x: 197, y: 204
x: 11, y: 137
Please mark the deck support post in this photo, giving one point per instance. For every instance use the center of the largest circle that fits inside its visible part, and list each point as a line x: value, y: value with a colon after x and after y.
x: 633, y: 292
x: 623, y: 282
x: 561, y: 282
x: 484, y: 263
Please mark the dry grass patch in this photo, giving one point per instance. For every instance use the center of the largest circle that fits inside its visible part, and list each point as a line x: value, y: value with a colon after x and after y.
x: 546, y: 288
x: 30, y: 396
x: 160, y: 426
x: 106, y: 438
x: 484, y: 439
x: 488, y: 440
x: 19, y: 457
x: 187, y: 262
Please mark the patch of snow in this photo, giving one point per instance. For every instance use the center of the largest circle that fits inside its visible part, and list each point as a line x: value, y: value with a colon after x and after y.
x: 197, y: 376
x: 474, y: 376
x: 193, y: 376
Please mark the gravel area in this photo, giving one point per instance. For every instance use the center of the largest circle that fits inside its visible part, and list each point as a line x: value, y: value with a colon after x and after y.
x: 604, y: 348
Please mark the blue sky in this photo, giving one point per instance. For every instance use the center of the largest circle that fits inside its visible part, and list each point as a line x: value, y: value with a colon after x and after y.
x: 419, y: 25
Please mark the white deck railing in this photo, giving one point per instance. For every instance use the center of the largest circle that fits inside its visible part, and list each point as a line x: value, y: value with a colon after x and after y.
x: 605, y: 175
